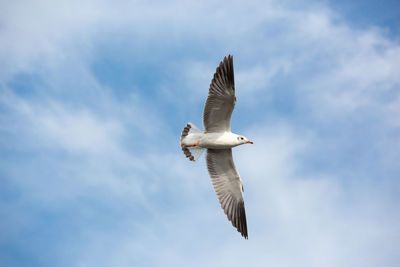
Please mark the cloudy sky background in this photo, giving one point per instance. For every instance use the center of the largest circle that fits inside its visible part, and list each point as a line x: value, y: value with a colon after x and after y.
x: 94, y: 95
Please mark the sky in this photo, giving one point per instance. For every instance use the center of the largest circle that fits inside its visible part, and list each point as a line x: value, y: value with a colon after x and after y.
x: 94, y: 96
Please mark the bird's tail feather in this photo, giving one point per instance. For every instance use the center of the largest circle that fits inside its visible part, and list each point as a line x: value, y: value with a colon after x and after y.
x: 191, y: 134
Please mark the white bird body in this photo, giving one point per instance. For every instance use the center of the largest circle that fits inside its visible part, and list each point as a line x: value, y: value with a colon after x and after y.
x: 218, y: 139
x: 214, y: 140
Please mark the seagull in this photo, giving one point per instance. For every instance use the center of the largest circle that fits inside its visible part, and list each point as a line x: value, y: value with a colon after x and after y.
x: 218, y: 139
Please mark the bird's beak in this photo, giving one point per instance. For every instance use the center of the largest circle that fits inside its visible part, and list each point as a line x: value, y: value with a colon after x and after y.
x: 249, y: 142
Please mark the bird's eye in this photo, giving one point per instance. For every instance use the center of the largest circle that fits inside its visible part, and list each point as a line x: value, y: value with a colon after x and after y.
x: 241, y: 138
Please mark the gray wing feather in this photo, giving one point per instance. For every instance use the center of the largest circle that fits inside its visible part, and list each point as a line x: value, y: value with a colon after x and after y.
x: 228, y: 186
x: 221, y: 98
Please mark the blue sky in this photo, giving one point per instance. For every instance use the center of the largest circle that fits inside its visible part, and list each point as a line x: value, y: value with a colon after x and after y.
x: 94, y: 95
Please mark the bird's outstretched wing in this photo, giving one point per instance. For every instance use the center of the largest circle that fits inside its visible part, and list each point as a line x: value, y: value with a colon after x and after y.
x: 221, y: 99
x: 228, y: 186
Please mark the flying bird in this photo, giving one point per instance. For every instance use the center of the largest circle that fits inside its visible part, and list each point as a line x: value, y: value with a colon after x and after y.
x: 218, y: 139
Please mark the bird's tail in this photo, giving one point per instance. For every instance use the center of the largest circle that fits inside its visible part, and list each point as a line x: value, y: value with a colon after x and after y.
x: 190, y: 135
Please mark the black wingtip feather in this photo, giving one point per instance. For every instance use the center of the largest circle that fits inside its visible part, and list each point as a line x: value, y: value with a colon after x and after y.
x: 242, y: 226
x: 224, y: 73
x: 236, y: 215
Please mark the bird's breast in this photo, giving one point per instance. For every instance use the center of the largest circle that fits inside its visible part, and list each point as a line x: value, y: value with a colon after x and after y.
x: 218, y: 140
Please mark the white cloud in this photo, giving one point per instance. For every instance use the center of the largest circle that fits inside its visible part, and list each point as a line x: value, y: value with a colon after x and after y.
x: 78, y: 131
x: 259, y: 77
x: 294, y: 219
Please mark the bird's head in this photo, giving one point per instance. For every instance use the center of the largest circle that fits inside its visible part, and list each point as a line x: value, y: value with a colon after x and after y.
x: 243, y: 140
